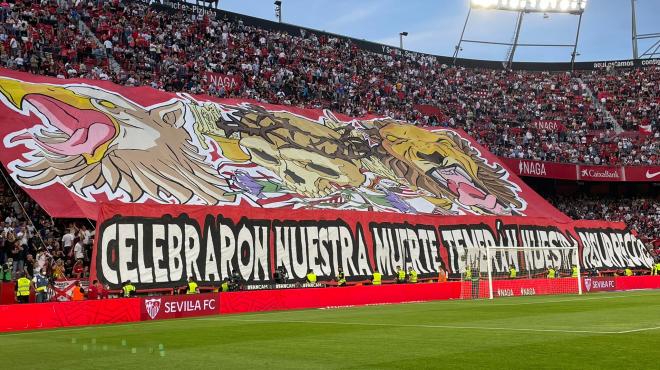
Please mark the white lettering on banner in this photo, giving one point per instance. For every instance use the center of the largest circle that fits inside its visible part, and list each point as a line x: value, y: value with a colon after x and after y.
x: 531, y: 168
x: 505, y: 292
x: 604, y: 173
x: 190, y: 305
x: 612, y: 249
x: 587, y: 284
x: 527, y: 291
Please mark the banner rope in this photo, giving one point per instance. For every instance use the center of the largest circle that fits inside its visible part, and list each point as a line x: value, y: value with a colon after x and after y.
x: 4, y: 176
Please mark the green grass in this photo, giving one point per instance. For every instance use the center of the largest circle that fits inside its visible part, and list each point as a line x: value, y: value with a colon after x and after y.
x: 614, y: 330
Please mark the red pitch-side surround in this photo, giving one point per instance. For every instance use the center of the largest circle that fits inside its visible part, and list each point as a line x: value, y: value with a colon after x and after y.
x: 520, y: 287
x: 291, y: 299
x: 637, y: 282
x: 110, y: 311
x: 17, y: 317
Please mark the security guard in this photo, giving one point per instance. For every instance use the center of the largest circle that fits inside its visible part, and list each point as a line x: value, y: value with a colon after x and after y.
x: 551, y: 273
x: 311, y: 276
x: 412, y: 275
x: 656, y: 270
x: 401, y: 275
x: 128, y: 289
x: 40, y: 282
x: 192, y: 286
x: 574, y: 270
x: 225, y: 285
x: 512, y: 272
x: 468, y: 273
x: 376, y: 278
x: 341, y: 278
x: 22, y: 289
x: 628, y: 272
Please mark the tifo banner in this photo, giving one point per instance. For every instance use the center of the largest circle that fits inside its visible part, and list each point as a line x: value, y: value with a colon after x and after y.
x: 74, y: 143
x: 548, y: 125
x: 598, y: 284
x: 157, y: 246
x: 63, y: 289
x: 569, y: 171
x: 174, y: 306
x: 229, y: 82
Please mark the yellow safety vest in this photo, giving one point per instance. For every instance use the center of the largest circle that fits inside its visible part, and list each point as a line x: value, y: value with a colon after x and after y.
x: 377, y: 278
x: 629, y: 272
x: 402, y: 275
x: 512, y: 272
x: 413, y: 276
x: 468, y: 273
x: 23, y: 287
x: 311, y: 277
x: 551, y: 273
x: 575, y: 271
x: 341, y: 280
x: 225, y: 287
x: 657, y: 269
x: 128, y: 289
x: 192, y: 287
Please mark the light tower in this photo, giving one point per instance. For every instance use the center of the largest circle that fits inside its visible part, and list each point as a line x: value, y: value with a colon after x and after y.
x: 522, y: 7
x: 654, y: 49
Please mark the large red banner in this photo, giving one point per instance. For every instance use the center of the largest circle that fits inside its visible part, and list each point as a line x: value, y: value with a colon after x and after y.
x: 161, y: 246
x: 72, y: 144
x: 582, y: 172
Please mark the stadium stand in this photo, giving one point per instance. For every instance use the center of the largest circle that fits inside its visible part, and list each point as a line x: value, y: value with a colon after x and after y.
x: 608, y: 116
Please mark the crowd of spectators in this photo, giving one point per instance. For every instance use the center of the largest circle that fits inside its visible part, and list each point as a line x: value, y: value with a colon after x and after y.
x: 31, y: 241
x: 133, y: 44
x: 640, y: 214
x: 171, y: 50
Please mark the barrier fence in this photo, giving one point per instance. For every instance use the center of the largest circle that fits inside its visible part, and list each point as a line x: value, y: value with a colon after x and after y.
x: 126, y: 310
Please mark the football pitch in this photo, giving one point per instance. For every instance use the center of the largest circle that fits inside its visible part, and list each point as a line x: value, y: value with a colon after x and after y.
x: 607, y: 330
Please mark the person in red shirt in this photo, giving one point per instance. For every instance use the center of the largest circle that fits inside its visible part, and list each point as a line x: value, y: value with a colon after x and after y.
x: 97, y: 291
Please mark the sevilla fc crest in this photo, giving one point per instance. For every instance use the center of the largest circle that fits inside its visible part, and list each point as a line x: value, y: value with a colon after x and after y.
x: 152, y: 306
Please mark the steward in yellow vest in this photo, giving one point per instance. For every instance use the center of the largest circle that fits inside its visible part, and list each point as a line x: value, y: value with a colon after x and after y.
x: 311, y: 276
x: 468, y: 273
x: 412, y: 275
x: 400, y: 275
x: 512, y: 272
x: 574, y: 271
x: 225, y: 285
x: 551, y: 273
x: 22, y: 289
x: 376, y: 278
x: 192, y: 286
x: 128, y: 290
x: 341, y: 278
x: 629, y: 272
x: 656, y: 269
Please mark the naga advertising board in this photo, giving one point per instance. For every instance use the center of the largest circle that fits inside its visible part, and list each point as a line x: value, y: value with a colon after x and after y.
x: 582, y: 172
x: 161, y: 246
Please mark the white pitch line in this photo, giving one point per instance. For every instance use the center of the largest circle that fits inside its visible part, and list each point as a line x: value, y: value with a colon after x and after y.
x: 424, y: 326
x: 638, y: 330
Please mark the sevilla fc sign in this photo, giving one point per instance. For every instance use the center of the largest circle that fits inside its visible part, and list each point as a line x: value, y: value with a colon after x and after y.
x: 158, y: 246
x: 169, y: 307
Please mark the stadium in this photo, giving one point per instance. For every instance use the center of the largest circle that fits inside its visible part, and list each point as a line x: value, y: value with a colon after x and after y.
x: 188, y: 186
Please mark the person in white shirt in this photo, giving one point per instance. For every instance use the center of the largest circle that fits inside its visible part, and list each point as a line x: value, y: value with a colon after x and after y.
x: 67, y: 240
x: 78, y: 251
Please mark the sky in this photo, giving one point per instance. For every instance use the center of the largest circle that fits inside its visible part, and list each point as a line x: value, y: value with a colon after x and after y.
x: 434, y: 26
